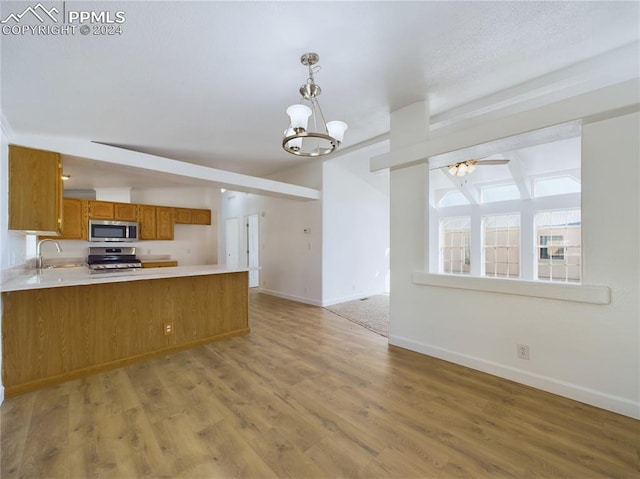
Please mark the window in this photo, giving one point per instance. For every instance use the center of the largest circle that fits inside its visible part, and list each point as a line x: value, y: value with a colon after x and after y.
x: 558, y: 185
x: 501, y: 245
x: 520, y: 221
x: 453, y: 198
x: 559, y: 245
x: 551, y: 247
x: 500, y: 193
x: 455, y: 245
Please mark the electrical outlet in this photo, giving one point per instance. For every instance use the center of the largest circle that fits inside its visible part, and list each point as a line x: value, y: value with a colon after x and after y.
x: 168, y: 329
x: 523, y: 351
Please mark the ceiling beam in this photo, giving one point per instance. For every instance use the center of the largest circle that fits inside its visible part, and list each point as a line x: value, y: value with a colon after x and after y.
x: 119, y: 157
x: 608, y: 102
x: 460, y: 182
x: 519, y: 177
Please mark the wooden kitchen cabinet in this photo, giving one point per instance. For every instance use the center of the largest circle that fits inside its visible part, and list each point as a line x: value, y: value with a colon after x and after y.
x: 100, y: 210
x: 159, y: 264
x: 182, y: 216
x: 51, y: 335
x: 125, y: 212
x: 192, y: 216
x: 200, y: 217
x: 108, y: 210
x: 35, y: 190
x: 74, y: 219
x: 156, y: 222
x: 164, y: 223
x: 147, y: 218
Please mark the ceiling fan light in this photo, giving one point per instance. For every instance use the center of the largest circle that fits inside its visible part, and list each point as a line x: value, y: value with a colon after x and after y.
x: 453, y: 169
x: 462, y: 169
x: 299, y: 115
x: 336, y: 129
x: 470, y: 168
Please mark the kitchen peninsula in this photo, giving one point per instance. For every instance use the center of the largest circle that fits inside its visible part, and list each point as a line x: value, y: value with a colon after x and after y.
x: 62, y: 324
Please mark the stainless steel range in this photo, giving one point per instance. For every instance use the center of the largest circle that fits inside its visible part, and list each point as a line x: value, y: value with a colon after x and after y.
x: 110, y: 259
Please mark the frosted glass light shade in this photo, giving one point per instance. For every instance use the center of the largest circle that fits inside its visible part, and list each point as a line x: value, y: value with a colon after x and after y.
x: 453, y: 169
x: 462, y: 169
x: 295, y: 143
x: 299, y: 115
x: 470, y: 168
x: 336, y: 129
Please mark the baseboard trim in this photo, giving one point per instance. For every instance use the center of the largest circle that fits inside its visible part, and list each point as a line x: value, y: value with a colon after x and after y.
x: 562, y: 388
x: 291, y: 297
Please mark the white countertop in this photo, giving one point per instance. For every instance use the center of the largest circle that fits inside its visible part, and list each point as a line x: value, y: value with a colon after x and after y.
x: 20, y: 280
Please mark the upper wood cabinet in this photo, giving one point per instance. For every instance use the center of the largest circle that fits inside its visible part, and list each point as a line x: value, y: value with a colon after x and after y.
x: 147, y: 219
x: 156, y: 222
x: 125, y: 212
x: 164, y: 223
x: 192, y: 216
x: 35, y: 190
x: 200, y: 217
x: 100, y: 210
x: 108, y: 210
x: 182, y: 216
x: 74, y: 219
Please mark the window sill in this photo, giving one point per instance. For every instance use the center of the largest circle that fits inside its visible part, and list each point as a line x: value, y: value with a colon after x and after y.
x: 564, y: 292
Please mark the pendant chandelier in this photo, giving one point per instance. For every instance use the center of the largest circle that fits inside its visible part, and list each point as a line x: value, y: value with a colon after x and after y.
x: 319, y: 138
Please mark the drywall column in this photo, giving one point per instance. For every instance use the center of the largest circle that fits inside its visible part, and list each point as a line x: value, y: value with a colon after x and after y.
x: 409, y: 192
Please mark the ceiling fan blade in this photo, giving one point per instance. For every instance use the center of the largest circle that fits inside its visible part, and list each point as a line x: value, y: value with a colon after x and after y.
x: 492, y: 162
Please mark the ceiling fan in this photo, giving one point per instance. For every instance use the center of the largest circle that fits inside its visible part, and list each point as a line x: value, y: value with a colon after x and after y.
x: 466, y: 167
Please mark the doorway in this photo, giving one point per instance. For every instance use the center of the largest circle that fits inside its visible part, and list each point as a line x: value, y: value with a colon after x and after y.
x: 253, y: 248
x: 231, y: 241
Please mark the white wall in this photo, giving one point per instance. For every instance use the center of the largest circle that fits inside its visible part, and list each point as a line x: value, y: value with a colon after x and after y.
x: 290, y: 259
x: 355, y: 221
x: 584, y: 351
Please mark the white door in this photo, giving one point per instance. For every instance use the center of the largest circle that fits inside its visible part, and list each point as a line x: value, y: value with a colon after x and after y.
x: 231, y: 241
x: 253, y: 250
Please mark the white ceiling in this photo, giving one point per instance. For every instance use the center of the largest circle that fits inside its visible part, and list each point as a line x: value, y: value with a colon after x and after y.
x: 208, y: 82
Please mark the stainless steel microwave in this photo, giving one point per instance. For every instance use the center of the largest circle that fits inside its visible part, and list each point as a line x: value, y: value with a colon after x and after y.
x: 105, y: 230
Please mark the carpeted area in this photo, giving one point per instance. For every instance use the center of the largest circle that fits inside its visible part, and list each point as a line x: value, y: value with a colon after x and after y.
x: 371, y: 312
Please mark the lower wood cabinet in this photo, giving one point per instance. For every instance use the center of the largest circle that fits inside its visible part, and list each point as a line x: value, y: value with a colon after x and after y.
x: 159, y: 264
x: 52, y: 335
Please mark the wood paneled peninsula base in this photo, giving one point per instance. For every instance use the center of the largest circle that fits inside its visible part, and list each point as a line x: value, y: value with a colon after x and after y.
x: 51, y: 335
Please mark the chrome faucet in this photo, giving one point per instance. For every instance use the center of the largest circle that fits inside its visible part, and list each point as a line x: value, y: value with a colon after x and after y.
x: 39, y: 260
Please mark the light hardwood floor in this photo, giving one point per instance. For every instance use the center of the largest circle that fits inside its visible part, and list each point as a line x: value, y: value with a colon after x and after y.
x: 311, y: 395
